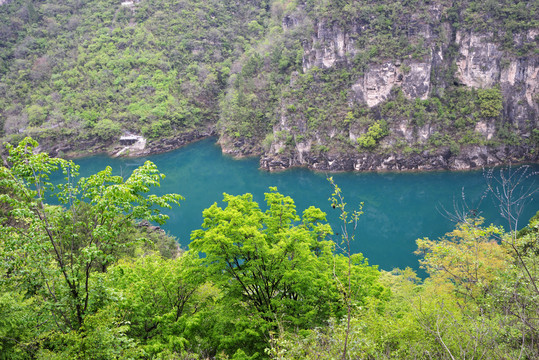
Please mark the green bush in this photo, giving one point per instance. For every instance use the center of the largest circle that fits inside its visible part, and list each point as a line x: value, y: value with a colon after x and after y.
x: 160, y: 128
x: 36, y: 114
x: 375, y: 132
x: 490, y: 102
x: 106, y: 129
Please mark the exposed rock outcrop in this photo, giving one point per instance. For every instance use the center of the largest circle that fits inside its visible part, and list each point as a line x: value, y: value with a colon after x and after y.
x: 449, y: 58
x: 141, y: 147
x: 469, y: 158
x: 177, y: 141
x: 239, y: 147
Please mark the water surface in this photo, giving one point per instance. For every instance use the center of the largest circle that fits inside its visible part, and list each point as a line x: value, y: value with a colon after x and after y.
x: 398, y: 207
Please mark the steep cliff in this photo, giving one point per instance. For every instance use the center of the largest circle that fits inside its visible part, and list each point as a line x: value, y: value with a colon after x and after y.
x: 435, y: 85
x: 328, y: 84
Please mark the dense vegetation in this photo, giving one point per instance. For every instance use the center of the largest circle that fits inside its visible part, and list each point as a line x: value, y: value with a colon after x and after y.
x: 78, y: 75
x: 86, y: 279
x: 319, y: 104
x: 90, y: 70
x: 83, y: 275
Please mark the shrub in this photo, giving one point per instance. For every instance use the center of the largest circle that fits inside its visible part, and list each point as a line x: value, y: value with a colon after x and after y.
x: 106, y: 129
x: 490, y: 102
x: 375, y: 132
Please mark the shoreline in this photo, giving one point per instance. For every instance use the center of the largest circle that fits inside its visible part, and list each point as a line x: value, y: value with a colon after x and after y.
x: 186, y: 139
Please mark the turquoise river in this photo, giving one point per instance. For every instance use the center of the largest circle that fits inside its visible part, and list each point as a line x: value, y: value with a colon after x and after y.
x: 398, y: 207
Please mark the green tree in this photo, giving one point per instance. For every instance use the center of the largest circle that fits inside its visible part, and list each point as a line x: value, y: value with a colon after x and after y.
x: 157, y: 297
x: 53, y: 252
x: 468, y: 258
x: 276, y: 271
x: 106, y: 129
x: 374, y: 133
x: 36, y: 114
x: 17, y: 321
x: 490, y: 102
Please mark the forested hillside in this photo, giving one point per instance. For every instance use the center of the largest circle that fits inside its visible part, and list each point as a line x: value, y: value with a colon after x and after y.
x: 334, y: 85
x: 78, y: 74
x: 365, y: 85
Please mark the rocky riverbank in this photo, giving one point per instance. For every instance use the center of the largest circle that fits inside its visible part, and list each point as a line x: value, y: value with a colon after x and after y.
x: 468, y: 158
x: 115, y: 148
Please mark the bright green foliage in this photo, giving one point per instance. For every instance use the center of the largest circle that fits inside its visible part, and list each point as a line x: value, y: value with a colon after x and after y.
x: 106, y: 129
x: 157, y: 129
x: 102, y: 337
x: 70, y: 287
x: 276, y: 271
x: 36, y: 115
x: 378, y: 329
x: 157, y: 297
x: 53, y: 252
x: 77, y: 281
x: 16, y: 323
x: 516, y: 291
x: 469, y: 257
x: 479, y: 302
x: 375, y: 132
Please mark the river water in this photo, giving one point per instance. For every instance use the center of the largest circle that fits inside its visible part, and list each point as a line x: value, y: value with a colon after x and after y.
x: 398, y: 207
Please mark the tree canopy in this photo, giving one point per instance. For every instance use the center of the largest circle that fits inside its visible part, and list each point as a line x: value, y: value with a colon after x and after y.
x: 279, y: 269
x: 81, y: 278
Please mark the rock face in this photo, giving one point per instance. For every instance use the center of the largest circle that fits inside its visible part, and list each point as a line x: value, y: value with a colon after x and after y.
x: 469, y: 158
x: 338, y: 47
x: 239, y: 147
x: 376, y: 85
x: 473, y: 61
x: 481, y: 64
x: 478, y: 63
x: 331, y: 45
x: 141, y: 147
x: 169, y: 144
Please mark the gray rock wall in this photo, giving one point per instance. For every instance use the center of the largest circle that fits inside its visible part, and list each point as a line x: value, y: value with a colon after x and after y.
x: 479, y: 63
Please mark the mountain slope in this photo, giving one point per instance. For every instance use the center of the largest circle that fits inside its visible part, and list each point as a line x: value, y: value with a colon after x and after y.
x: 397, y: 85
x: 82, y: 73
x: 332, y: 85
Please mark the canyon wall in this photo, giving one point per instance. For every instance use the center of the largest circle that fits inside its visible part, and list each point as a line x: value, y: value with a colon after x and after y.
x: 450, y: 58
